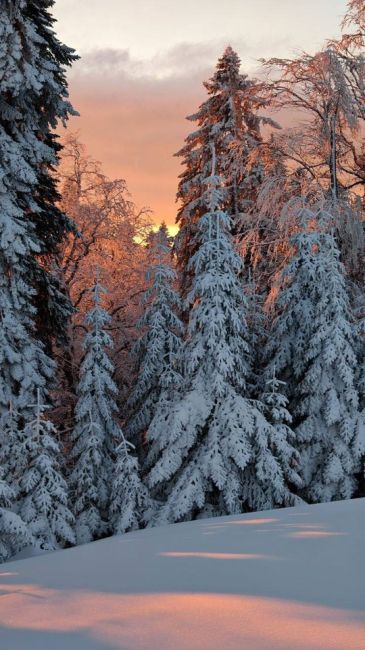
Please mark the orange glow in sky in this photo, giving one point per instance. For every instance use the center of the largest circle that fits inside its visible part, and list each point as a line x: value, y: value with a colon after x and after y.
x: 142, y: 67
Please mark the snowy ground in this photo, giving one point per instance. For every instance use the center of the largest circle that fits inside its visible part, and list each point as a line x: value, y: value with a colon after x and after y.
x: 282, y: 580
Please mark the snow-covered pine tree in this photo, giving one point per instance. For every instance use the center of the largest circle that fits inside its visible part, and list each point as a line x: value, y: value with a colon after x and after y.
x: 130, y: 503
x: 23, y: 365
x: 9, y: 432
x: 360, y: 385
x: 43, y: 102
x: 280, y: 438
x: 227, y: 118
x: 25, y: 370
x: 106, y: 490
x: 203, y: 439
x: 42, y: 491
x: 14, y: 534
x: 158, y: 350
x: 256, y: 328
x: 312, y: 348
x: 95, y: 433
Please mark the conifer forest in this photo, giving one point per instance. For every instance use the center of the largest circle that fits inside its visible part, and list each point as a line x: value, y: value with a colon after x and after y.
x: 148, y: 379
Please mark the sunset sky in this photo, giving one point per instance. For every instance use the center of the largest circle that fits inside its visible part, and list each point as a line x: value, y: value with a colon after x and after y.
x: 142, y: 66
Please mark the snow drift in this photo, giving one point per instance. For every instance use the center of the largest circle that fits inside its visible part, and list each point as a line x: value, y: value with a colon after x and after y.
x: 288, y: 579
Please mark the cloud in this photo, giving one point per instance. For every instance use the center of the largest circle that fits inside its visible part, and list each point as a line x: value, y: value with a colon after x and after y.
x: 180, y: 61
x: 185, y: 59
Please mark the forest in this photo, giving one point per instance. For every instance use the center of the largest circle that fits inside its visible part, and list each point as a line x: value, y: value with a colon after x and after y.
x: 146, y: 378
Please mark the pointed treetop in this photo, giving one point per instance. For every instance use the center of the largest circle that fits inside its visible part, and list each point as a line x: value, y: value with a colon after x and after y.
x: 227, y: 70
x: 162, y: 238
x: 230, y: 57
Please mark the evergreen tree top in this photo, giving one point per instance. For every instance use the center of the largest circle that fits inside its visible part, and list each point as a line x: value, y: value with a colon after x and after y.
x: 227, y: 71
x: 159, y: 241
x: 230, y: 92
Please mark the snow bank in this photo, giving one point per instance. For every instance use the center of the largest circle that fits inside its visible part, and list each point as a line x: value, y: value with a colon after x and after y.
x: 288, y: 579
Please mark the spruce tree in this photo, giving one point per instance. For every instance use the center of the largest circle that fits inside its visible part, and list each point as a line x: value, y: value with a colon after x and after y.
x: 130, y: 503
x: 35, y: 488
x: 9, y: 450
x: 360, y: 385
x: 312, y: 348
x: 257, y: 332
x: 32, y: 92
x: 95, y: 432
x: 106, y: 491
x: 228, y: 118
x: 23, y: 365
x: 278, y: 472
x: 42, y: 499
x: 14, y: 534
x: 46, y: 103
x: 203, y: 439
x: 158, y: 350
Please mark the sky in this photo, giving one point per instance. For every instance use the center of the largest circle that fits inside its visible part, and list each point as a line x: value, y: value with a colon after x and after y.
x: 141, y: 70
